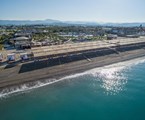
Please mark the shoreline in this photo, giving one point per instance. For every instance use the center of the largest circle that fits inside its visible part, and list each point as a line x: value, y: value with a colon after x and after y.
x: 11, y: 77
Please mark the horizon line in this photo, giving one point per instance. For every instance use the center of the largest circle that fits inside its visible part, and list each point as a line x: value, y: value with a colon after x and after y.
x: 101, y: 22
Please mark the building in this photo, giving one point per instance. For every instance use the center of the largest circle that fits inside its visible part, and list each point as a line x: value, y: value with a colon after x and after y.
x: 11, y: 57
x: 124, y: 31
x: 24, y: 56
x: 111, y: 36
x: 21, y: 42
x: 20, y: 34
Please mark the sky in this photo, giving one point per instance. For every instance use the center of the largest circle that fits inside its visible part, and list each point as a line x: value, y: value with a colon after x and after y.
x: 117, y: 11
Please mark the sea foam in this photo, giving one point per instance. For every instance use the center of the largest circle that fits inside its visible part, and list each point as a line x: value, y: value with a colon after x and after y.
x: 109, y: 75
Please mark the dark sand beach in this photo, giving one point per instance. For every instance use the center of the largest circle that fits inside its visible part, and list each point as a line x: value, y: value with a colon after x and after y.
x: 61, y: 67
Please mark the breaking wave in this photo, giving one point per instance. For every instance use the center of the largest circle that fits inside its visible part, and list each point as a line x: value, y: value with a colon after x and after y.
x: 111, y: 77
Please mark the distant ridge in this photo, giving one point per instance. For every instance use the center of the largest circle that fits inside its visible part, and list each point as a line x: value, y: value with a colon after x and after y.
x: 28, y: 22
x: 64, y: 23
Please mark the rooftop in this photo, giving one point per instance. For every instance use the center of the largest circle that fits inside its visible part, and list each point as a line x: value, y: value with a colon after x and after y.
x: 20, y: 38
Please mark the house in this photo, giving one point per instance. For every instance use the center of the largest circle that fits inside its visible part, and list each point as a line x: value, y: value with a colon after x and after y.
x: 36, y: 44
x: 21, y: 42
x: 22, y: 34
x: 132, y: 36
x: 111, y: 36
x: 123, y: 32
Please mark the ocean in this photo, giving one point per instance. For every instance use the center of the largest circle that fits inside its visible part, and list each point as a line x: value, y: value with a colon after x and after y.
x: 113, y: 92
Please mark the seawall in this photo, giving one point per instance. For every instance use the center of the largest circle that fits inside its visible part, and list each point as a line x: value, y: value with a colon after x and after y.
x: 59, y: 67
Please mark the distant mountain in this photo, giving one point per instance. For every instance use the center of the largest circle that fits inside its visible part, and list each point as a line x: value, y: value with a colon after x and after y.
x: 28, y: 22
x: 125, y: 24
x: 65, y: 23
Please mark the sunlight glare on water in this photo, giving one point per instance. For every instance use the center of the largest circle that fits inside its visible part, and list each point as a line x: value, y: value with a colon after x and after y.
x: 112, y: 79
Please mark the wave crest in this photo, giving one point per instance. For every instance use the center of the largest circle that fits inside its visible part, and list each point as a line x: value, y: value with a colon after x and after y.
x: 111, y: 77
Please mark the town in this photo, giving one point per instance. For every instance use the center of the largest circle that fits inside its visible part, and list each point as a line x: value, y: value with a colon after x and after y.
x: 72, y: 60
x: 21, y: 39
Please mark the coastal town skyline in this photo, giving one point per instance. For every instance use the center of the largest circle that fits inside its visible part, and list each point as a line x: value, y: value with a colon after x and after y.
x: 117, y: 11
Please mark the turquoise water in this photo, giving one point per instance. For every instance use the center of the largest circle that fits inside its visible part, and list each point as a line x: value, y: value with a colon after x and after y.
x: 115, y: 92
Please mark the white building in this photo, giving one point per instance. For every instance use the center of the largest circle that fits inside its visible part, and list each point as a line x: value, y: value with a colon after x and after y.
x: 11, y: 57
